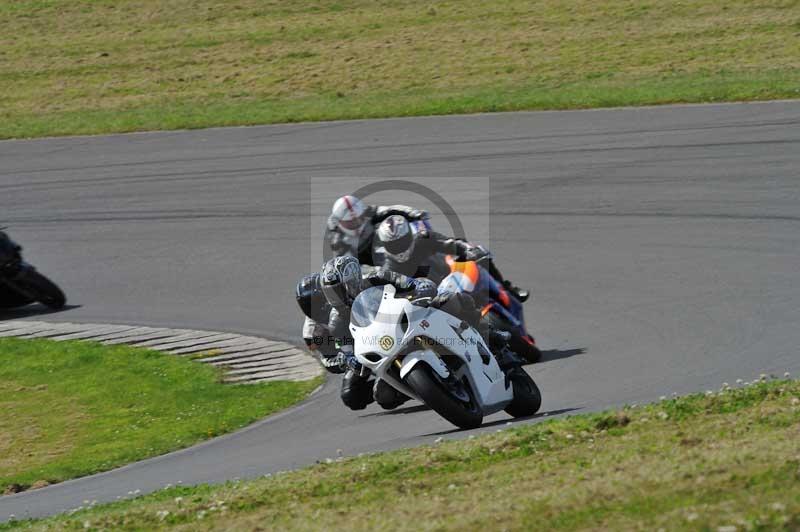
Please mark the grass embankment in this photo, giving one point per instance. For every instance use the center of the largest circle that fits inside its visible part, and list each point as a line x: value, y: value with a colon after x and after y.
x: 70, y: 67
x: 729, y: 459
x: 68, y: 409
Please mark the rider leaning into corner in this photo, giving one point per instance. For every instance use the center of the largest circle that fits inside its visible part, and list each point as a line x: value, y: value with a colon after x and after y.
x: 340, y: 281
x: 352, y: 227
x: 417, y: 254
x: 317, y: 311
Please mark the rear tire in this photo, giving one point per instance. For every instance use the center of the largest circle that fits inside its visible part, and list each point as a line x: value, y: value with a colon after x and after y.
x: 10, y: 298
x: 430, y: 389
x: 527, y: 397
x: 39, y: 288
x: 524, y: 349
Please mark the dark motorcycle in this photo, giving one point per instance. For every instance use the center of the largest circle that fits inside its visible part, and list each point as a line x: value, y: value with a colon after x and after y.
x: 499, y: 308
x: 20, y: 283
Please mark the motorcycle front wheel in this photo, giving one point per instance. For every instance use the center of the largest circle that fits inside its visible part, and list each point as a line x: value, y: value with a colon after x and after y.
x: 527, y: 397
x: 434, y: 392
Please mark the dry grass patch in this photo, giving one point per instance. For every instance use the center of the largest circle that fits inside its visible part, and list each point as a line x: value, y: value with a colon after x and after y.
x: 133, y: 65
x: 28, y: 439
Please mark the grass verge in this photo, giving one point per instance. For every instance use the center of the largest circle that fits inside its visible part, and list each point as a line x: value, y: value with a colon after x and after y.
x: 70, y: 67
x: 729, y: 459
x: 69, y: 409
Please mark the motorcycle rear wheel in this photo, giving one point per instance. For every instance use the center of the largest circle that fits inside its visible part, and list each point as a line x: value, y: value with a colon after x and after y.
x: 37, y: 287
x: 518, y: 344
x: 10, y: 298
x: 433, y: 392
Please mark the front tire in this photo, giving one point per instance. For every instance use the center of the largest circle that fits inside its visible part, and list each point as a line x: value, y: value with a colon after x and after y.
x: 527, y: 397
x: 432, y: 391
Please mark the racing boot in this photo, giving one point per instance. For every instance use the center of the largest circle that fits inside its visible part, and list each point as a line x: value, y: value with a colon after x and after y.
x: 521, y: 294
x: 356, y: 390
x: 387, y: 397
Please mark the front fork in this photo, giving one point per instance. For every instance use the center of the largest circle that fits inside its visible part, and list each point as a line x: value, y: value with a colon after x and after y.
x: 364, y: 371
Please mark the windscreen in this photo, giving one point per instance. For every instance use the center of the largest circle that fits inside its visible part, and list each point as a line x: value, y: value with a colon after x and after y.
x: 366, y: 306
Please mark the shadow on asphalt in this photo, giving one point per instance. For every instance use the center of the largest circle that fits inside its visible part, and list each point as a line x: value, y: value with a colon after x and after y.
x: 404, y: 410
x: 31, y: 310
x: 509, y: 421
x: 557, y: 354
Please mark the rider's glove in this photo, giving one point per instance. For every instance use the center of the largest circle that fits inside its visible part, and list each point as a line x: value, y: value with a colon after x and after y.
x: 348, y: 361
x: 424, y: 287
x: 418, y: 214
x: 441, y: 299
x: 476, y: 253
x: 353, y: 363
x: 332, y: 364
x: 405, y: 283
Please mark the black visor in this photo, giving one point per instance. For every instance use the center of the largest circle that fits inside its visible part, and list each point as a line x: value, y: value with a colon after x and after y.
x: 395, y: 247
x: 336, y: 294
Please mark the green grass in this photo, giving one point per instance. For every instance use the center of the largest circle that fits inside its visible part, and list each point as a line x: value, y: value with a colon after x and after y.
x: 729, y: 459
x: 71, y: 67
x: 69, y: 409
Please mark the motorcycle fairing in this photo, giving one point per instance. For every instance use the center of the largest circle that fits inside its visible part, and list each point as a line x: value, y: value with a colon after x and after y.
x: 417, y: 342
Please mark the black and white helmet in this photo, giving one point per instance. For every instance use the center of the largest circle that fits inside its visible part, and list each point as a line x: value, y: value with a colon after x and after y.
x: 340, y: 280
x: 396, y: 237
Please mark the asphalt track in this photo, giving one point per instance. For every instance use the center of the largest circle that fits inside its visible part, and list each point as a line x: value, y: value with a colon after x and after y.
x: 662, y: 246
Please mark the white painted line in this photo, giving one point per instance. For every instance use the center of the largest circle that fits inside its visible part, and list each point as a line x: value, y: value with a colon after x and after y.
x: 95, y: 333
x: 136, y: 335
x: 16, y: 324
x: 183, y: 340
x: 59, y: 329
x: 240, y: 343
x: 24, y: 331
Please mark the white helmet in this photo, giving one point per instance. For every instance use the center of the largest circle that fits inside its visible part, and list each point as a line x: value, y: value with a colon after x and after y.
x: 349, y: 215
x: 396, y: 237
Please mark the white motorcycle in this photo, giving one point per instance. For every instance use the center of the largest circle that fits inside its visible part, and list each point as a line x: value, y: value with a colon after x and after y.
x: 436, y: 358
